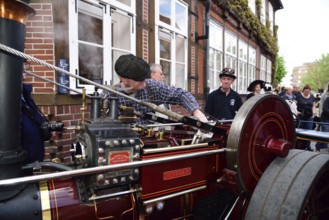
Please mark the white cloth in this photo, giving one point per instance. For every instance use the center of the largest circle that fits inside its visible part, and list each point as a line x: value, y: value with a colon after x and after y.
x: 293, y: 106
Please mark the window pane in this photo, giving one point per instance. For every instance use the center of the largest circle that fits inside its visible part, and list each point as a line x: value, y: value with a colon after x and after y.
x: 181, y: 16
x: 218, y: 61
x: 115, y: 55
x: 252, y: 55
x: 243, y: 50
x: 252, y: 5
x: 180, y: 77
x: 263, y: 12
x: 180, y: 49
x: 121, y: 31
x: 231, y: 44
x: 165, y: 11
x: 166, y: 67
x: 216, y: 37
x: 91, y: 63
x: 211, y: 80
x: 211, y: 58
x: 90, y: 28
x: 126, y: 2
x: 165, y: 45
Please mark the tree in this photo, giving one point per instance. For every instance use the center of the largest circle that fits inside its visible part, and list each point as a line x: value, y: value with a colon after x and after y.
x: 281, y: 70
x: 318, y: 75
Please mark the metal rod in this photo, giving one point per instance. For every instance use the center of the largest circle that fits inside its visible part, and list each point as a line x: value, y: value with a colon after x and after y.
x: 233, y: 206
x: 224, y: 121
x: 103, y: 169
x: 53, y: 82
x: 161, y: 125
x: 147, y: 104
x: 146, y: 202
x: 114, y: 194
x: 168, y: 149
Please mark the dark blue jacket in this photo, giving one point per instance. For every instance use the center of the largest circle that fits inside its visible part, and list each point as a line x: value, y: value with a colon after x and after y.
x: 222, y: 106
x: 31, y: 120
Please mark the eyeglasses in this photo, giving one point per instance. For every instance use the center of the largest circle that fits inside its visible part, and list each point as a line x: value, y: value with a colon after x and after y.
x: 228, y: 70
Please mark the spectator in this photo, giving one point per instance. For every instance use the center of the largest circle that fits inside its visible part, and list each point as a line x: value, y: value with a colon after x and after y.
x: 156, y: 72
x: 31, y: 120
x: 295, y: 90
x: 324, y: 95
x: 134, y: 71
x: 255, y: 88
x: 289, y: 98
x: 324, y: 116
x: 305, y: 107
x: 282, y: 91
x: 224, y: 102
x: 288, y: 95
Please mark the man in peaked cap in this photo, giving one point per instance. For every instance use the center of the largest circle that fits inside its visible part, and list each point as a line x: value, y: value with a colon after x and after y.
x: 224, y: 102
x: 134, y: 74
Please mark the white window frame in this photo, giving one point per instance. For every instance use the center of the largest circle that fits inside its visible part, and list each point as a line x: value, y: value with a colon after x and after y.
x: 252, y: 6
x: 215, y: 50
x: 263, y: 67
x: 271, y: 17
x: 242, y: 66
x: 251, y: 64
x: 175, y: 33
x: 108, y: 63
x: 231, y: 57
x: 263, y: 13
x: 268, y: 71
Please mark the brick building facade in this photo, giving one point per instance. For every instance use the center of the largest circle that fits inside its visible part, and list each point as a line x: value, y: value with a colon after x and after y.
x: 192, y: 39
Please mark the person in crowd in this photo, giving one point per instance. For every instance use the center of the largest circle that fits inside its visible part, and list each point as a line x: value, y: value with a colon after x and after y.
x: 156, y: 72
x: 255, y: 88
x: 276, y: 90
x: 295, y: 90
x: 288, y: 95
x: 134, y: 74
x: 32, y: 140
x: 324, y: 116
x: 224, y: 102
x: 282, y: 91
x: 305, y: 107
x: 290, y: 99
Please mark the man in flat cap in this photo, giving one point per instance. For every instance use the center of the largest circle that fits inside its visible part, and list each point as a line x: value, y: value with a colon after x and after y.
x: 134, y: 74
x: 224, y: 102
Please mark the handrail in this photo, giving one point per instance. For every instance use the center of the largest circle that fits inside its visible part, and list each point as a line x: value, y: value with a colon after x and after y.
x: 102, y: 169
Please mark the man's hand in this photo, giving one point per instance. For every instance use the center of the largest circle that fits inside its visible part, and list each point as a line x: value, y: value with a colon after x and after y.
x: 197, y: 113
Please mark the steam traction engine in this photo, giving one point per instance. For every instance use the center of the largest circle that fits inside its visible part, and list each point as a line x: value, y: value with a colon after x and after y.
x: 243, y: 169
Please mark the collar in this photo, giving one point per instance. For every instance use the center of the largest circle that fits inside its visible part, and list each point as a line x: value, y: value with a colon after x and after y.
x: 224, y: 92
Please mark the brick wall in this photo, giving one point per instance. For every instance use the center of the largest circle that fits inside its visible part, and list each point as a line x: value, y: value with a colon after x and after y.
x: 40, y: 44
x: 145, y: 32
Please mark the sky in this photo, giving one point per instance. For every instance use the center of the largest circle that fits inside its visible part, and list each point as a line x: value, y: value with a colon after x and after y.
x: 303, y: 32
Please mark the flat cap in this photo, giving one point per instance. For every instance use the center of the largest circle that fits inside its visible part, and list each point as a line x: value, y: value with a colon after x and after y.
x: 131, y: 67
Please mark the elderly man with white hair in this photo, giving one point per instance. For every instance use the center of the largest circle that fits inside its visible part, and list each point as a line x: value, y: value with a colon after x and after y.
x: 288, y: 95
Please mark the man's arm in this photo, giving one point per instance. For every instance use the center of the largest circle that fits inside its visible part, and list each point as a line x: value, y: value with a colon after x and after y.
x: 164, y: 93
x: 199, y: 114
